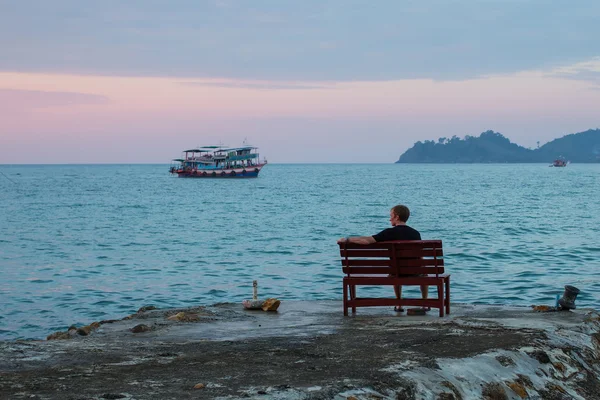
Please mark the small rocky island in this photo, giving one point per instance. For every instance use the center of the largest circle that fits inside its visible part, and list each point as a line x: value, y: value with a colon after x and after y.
x: 493, y: 147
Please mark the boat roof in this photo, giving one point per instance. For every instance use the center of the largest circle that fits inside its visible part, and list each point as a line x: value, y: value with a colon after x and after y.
x: 240, y: 148
x: 178, y: 159
x: 211, y: 147
x: 195, y: 151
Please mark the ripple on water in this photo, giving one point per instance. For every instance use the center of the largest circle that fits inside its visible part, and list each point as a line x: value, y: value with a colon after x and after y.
x: 104, y: 303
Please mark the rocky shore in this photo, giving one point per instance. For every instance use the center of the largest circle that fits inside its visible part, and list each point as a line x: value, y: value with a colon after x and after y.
x: 308, y: 350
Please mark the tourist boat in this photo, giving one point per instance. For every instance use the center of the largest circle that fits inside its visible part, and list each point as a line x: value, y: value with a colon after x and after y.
x: 218, y: 162
x: 559, y: 162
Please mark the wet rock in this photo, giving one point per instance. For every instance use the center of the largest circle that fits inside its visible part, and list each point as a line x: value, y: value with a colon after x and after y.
x: 454, y: 389
x: 167, y: 354
x: 271, y: 304
x: 543, y: 308
x: 59, y: 336
x: 146, y: 308
x: 554, y: 392
x: 494, y: 391
x: 541, y: 356
x: 84, y: 330
x: 184, y: 317
x: 518, y: 389
x: 446, y: 396
x: 596, y: 341
x: 140, y: 328
x: 407, y: 391
x: 95, y: 325
x: 505, y: 361
x: 559, y: 367
x: 108, y: 321
x: 524, y: 380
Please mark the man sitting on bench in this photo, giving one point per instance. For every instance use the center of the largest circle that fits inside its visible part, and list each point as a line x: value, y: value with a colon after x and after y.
x: 399, y: 231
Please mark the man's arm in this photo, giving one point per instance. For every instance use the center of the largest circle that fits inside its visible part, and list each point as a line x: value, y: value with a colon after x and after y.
x: 357, y: 240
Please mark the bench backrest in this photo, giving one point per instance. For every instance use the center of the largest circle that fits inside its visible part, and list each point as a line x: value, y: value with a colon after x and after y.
x: 407, y: 257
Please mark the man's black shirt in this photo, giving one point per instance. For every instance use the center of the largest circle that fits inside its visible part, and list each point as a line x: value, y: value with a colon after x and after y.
x: 399, y: 232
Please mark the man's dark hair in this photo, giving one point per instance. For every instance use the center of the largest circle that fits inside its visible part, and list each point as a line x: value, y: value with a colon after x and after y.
x: 402, y: 212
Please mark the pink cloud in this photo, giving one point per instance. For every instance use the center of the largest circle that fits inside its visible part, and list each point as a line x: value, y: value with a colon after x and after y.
x: 70, y: 115
x: 24, y: 100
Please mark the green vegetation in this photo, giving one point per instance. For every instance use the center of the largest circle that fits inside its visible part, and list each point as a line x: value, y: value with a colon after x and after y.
x: 493, y: 147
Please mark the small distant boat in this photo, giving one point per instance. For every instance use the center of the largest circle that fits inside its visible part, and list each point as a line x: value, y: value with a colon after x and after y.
x: 218, y: 162
x: 559, y: 162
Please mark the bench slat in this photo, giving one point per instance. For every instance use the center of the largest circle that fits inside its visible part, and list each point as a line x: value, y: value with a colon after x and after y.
x: 365, y: 253
x: 415, y: 262
x: 389, y: 281
x: 401, y: 253
x: 410, y: 244
x: 392, y: 270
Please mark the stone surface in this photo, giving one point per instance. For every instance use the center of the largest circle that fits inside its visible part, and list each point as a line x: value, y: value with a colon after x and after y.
x: 309, y: 350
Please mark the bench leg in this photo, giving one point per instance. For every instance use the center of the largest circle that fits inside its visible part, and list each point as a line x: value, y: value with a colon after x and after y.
x: 346, y: 294
x: 447, y: 299
x: 440, y: 293
x: 353, y: 296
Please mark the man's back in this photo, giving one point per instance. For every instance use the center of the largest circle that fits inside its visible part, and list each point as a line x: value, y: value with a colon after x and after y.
x: 398, y: 232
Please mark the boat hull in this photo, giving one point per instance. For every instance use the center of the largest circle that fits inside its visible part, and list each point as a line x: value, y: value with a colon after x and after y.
x: 236, y: 173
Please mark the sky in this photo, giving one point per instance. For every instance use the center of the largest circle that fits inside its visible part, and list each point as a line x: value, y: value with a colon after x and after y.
x: 311, y: 81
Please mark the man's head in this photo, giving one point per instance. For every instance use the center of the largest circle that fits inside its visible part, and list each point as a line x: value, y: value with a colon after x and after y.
x: 399, y: 215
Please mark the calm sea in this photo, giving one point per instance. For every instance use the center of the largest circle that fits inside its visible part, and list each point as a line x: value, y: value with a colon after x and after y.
x: 82, y: 243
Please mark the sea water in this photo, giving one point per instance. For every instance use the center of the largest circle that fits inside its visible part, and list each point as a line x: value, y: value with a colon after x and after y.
x: 83, y: 243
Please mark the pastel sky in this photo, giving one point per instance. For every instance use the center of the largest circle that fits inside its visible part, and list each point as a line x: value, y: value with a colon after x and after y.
x: 306, y: 81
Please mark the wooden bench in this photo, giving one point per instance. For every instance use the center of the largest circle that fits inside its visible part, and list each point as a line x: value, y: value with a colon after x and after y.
x: 388, y: 263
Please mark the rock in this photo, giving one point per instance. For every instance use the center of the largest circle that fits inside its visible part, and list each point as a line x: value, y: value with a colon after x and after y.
x: 446, y: 396
x: 559, y: 367
x: 543, y: 308
x: 494, y: 391
x: 505, y: 361
x: 95, y: 325
x: 84, y: 330
x: 108, y: 321
x: 596, y: 341
x: 199, y: 386
x: 112, y: 396
x: 554, y: 392
x: 184, y: 317
x: 271, y: 304
x: 140, y: 328
x: 59, y: 336
x: 518, y: 389
x: 524, y: 380
x: 176, y: 317
x: 541, y: 356
x: 449, y: 385
x: 146, y: 308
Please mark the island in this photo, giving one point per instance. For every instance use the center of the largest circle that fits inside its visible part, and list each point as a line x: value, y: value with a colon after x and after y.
x: 493, y: 147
